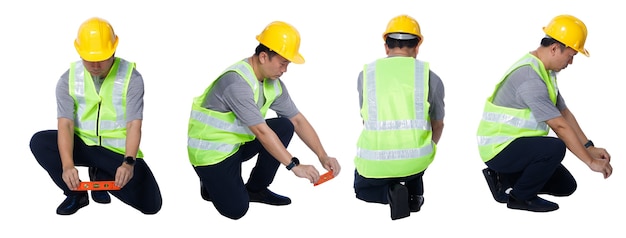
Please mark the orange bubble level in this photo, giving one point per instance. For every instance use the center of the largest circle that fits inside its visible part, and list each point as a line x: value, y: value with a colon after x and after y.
x: 324, y: 177
x: 97, y: 185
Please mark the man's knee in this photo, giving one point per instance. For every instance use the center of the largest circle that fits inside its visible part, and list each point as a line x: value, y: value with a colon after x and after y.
x: 151, y: 211
x: 374, y: 195
x: 559, y: 148
x: 235, y: 212
x: 568, y: 189
x: 148, y: 205
x: 283, y: 128
x: 282, y: 125
x: 39, y: 139
x: 287, y: 124
x: 572, y: 190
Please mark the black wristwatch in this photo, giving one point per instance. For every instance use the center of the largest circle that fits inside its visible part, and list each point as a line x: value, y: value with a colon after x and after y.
x: 589, y: 144
x: 129, y: 160
x: 294, y: 162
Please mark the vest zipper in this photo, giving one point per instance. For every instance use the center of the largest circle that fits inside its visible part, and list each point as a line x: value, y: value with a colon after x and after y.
x: 98, y: 123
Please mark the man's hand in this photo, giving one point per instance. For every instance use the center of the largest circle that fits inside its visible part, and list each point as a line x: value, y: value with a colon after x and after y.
x: 70, y: 177
x: 306, y: 171
x: 601, y: 161
x: 599, y: 153
x: 123, y: 174
x: 331, y: 163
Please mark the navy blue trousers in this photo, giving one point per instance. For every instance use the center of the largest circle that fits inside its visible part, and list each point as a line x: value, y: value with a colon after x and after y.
x: 376, y: 189
x: 141, y: 192
x: 532, y: 165
x: 223, y: 180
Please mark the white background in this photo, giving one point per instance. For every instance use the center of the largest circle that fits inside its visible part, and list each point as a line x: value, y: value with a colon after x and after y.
x: 180, y: 46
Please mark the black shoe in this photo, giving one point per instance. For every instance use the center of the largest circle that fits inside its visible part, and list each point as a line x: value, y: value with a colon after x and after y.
x: 498, y: 191
x: 535, y: 204
x: 416, y: 202
x: 98, y: 196
x: 268, y: 197
x: 398, y: 198
x: 101, y: 197
x: 72, y: 203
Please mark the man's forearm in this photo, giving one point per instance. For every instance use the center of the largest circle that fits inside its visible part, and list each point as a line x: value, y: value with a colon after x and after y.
x: 133, y: 137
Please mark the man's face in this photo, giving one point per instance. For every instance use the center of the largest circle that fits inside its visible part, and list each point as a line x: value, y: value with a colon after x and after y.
x: 274, y: 67
x: 99, y: 68
x: 563, y: 58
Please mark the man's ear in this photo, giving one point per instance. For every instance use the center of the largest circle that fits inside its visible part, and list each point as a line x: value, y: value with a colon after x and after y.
x: 554, y: 47
x: 262, y: 57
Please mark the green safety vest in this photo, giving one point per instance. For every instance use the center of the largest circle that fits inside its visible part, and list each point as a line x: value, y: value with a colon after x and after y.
x: 100, y: 117
x: 499, y: 126
x: 213, y: 136
x: 396, y: 140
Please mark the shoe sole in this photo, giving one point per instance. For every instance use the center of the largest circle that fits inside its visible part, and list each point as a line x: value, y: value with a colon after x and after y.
x: 271, y: 203
x: 513, y: 204
x: 532, y: 210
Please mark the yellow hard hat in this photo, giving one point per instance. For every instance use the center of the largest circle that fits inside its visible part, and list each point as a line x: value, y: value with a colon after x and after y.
x: 403, y: 24
x: 282, y: 38
x: 96, y: 40
x: 568, y: 30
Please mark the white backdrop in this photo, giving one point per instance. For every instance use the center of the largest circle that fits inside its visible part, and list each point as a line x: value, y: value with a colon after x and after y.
x: 180, y: 46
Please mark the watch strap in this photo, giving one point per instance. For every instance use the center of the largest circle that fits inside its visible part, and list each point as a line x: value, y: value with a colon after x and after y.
x: 129, y: 160
x: 294, y: 162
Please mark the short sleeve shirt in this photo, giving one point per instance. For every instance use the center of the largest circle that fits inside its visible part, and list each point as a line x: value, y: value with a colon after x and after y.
x: 231, y: 93
x: 134, y: 98
x: 524, y: 88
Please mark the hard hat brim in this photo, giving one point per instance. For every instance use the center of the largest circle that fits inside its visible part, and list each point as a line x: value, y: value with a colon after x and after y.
x: 401, y: 36
x: 96, y: 56
x: 297, y: 59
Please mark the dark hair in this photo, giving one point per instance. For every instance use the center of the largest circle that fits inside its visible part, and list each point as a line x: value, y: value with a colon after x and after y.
x: 395, y: 43
x: 262, y: 48
x: 548, y: 41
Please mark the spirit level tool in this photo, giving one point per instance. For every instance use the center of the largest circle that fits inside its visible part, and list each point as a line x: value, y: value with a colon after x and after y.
x: 97, y: 185
x: 324, y: 177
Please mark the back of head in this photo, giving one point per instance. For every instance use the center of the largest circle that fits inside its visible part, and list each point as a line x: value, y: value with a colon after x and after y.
x: 403, y: 27
x: 96, y: 40
x: 282, y: 38
x: 568, y: 30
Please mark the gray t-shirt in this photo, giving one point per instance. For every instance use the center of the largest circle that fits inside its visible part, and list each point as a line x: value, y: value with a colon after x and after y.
x: 436, y: 95
x: 524, y: 88
x: 134, y: 97
x: 231, y: 93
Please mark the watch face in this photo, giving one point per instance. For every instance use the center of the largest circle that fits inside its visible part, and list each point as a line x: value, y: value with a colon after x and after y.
x: 129, y: 160
x: 294, y: 162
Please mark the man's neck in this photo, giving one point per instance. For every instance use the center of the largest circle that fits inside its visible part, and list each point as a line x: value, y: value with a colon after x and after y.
x: 542, y: 54
x: 256, y: 64
x: 402, y: 52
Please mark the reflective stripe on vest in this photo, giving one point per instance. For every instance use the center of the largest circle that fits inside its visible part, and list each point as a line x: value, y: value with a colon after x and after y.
x: 396, y: 139
x: 213, y: 135
x: 101, y: 116
x: 499, y: 126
